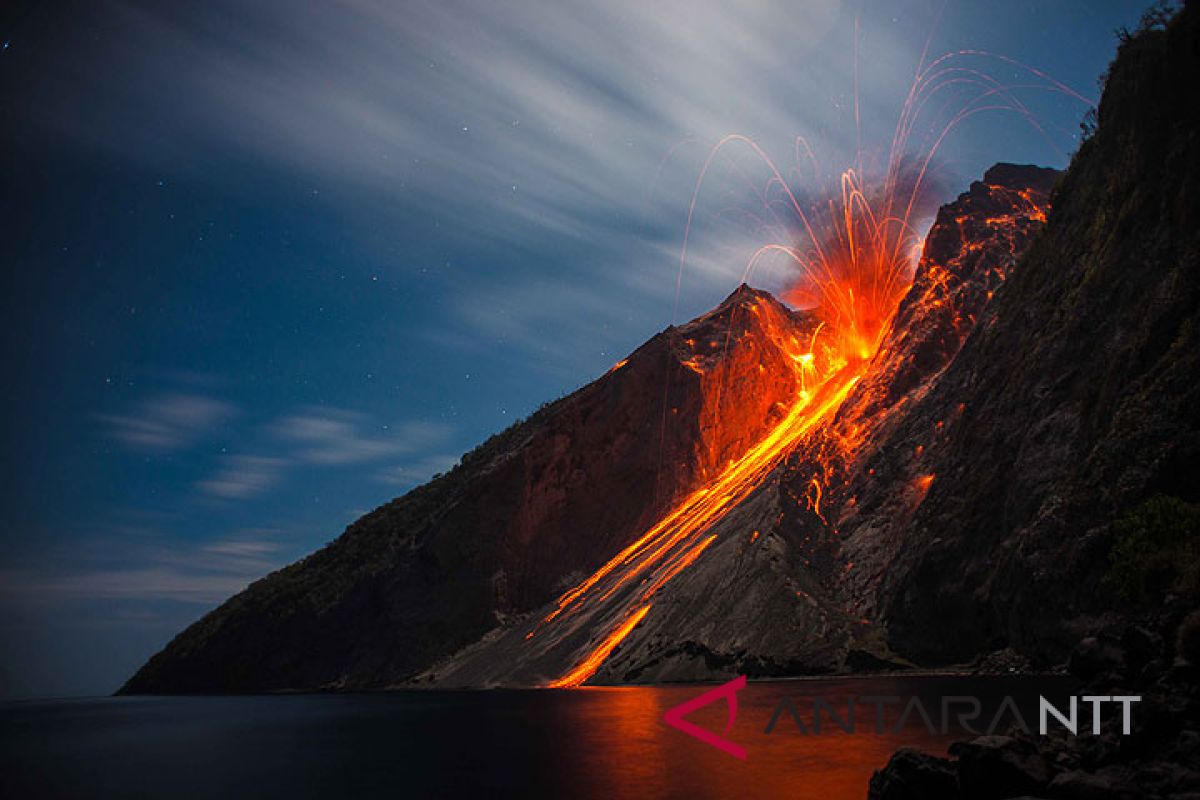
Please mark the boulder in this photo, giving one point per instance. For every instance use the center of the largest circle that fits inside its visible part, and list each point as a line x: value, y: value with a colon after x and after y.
x: 996, y: 767
x: 913, y: 775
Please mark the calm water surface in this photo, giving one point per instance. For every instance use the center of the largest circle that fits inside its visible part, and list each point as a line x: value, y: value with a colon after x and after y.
x: 591, y: 743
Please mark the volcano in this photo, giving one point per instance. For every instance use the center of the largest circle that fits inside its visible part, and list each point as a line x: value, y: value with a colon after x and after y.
x: 770, y: 492
x: 647, y: 510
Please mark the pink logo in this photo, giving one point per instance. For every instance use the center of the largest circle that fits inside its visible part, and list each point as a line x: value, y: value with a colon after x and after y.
x: 675, y: 716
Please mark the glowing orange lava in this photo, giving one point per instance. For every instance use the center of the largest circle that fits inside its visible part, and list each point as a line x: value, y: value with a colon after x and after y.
x: 675, y: 542
x: 854, y: 254
x: 855, y: 276
x: 589, y: 665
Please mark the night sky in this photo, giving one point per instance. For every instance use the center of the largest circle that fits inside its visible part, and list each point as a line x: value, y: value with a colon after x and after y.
x: 267, y: 265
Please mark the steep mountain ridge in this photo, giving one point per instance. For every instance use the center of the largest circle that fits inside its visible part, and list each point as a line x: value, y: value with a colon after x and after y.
x: 517, y: 521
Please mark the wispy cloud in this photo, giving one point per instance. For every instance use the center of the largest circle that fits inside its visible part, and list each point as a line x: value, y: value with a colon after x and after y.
x: 252, y: 548
x: 521, y: 122
x: 184, y: 572
x: 333, y: 436
x: 149, y: 583
x: 243, y: 476
x: 167, y: 422
x: 532, y: 101
x: 416, y: 472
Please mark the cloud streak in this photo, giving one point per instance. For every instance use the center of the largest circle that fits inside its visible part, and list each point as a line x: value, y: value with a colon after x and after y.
x: 167, y: 422
x: 333, y: 436
x: 524, y: 123
x: 573, y: 131
x: 416, y: 472
x: 439, y: 96
x: 243, y: 476
x: 330, y: 438
x: 202, y: 573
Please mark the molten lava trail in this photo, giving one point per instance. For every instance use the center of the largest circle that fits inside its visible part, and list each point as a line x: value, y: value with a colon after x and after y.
x: 678, y: 539
x: 590, y: 664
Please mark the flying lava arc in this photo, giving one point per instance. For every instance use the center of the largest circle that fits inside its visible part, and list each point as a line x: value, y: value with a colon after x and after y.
x: 853, y: 254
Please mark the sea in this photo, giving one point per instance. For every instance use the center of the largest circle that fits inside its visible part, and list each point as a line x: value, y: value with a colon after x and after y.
x: 582, y: 743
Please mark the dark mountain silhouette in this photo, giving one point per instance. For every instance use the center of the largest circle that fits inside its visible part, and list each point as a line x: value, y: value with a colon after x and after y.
x: 1069, y: 521
x: 1074, y: 399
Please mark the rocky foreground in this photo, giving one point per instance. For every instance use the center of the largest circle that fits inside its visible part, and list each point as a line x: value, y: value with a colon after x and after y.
x: 1126, y: 224
x: 1160, y: 758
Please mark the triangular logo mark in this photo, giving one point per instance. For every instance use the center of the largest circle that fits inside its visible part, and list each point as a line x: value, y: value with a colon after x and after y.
x: 675, y: 716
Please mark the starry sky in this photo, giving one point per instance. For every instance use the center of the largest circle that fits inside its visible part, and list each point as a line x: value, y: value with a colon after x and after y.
x: 267, y: 265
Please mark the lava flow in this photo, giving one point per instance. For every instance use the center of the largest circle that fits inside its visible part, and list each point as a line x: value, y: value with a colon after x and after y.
x: 855, y: 264
x: 590, y: 664
x: 825, y: 373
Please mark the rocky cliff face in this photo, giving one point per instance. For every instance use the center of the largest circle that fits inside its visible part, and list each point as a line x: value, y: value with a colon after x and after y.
x: 1073, y: 398
x: 874, y: 464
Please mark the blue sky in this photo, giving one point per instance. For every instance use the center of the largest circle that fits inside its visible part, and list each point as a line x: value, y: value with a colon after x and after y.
x: 268, y: 265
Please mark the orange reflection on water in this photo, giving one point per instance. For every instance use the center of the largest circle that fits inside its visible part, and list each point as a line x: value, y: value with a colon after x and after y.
x: 624, y: 749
